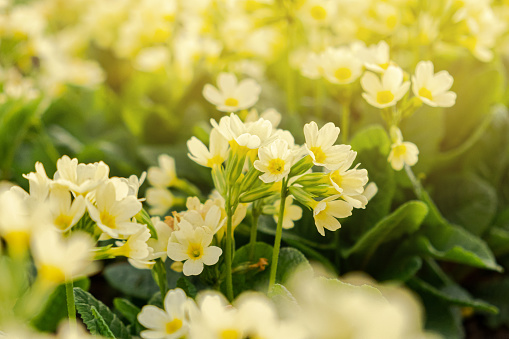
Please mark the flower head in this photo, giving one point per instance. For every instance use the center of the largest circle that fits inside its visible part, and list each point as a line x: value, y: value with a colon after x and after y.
x: 275, y: 162
x: 232, y: 96
x: 215, y: 155
x: 431, y: 88
x: 164, y: 175
x: 327, y: 210
x: 402, y: 152
x: 320, y: 145
x: 341, y: 66
x: 385, y: 93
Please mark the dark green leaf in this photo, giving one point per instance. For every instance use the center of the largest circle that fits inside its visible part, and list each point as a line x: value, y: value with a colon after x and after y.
x: 401, y: 268
x: 290, y: 261
x: 405, y: 220
x: 249, y: 279
x: 131, y: 281
x: 187, y: 286
x: 127, y: 309
x: 84, y: 303
x: 100, y: 324
x: 497, y: 293
x: 55, y: 308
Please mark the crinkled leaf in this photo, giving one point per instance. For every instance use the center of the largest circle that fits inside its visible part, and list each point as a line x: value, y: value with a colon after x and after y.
x: 127, y: 309
x: 100, y: 324
x: 251, y: 278
x: 55, y: 308
x: 291, y: 261
x: 442, y: 318
x: 187, y: 286
x: 84, y: 303
x: 401, y: 268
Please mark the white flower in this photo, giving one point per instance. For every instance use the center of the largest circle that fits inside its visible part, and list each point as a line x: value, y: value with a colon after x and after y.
x: 270, y: 114
x: 39, y: 182
x: 320, y: 145
x: 387, y: 92
x: 114, y: 217
x: 341, y: 66
x: 317, y: 12
x: 312, y: 66
x: 80, y: 178
x: 165, y: 175
x: 135, y: 247
x: 433, y: 89
x: 160, y: 244
x: 292, y: 212
x: 61, y: 259
x: 327, y: 210
x: 232, y: 96
x: 250, y: 135
x: 209, y: 216
x: 125, y: 187
x: 402, y: 152
x: 275, y: 161
x: 64, y: 212
x: 376, y: 57
x: 170, y: 323
x: 193, y: 246
x: 160, y: 200
x: 214, y: 156
x: 350, y: 182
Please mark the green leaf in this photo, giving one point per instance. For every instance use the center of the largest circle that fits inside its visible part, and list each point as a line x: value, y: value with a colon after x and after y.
x: 282, y: 298
x: 402, y: 267
x: 498, y: 241
x: 251, y: 279
x: 451, y: 293
x: 187, y: 286
x: 405, y: 220
x: 100, y: 323
x: 55, y: 309
x: 372, y: 145
x: 84, y: 303
x: 466, y: 200
x: 290, y: 262
x: 448, y: 242
x: 442, y: 318
x: 497, y: 293
x: 453, y: 243
x: 156, y: 300
x: 127, y: 309
x: 130, y: 280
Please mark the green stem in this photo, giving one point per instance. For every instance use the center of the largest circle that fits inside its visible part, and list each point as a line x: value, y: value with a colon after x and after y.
x: 254, y: 227
x: 345, y: 121
x: 71, y: 307
x: 228, y: 251
x: 160, y: 272
x: 415, y: 183
x: 279, y: 233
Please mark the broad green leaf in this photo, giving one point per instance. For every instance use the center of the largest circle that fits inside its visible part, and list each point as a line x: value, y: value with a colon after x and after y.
x: 55, y: 309
x: 290, y: 262
x: 405, y: 220
x: 448, y: 242
x: 401, y: 267
x: 127, y: 309
x: 247, y: 277
x: 497, y: 293
x: 441, y: 317
x: 452, y: 293
x: 187, y: 286
x: 156, y: 300
x: 283, y: 299
x: 372, y: 145
x: 84, y: 303
x: 453, y: 243
x: 100, y: 323
x: 498, y: 241
x: 466, y: 200
x: 131, y: 281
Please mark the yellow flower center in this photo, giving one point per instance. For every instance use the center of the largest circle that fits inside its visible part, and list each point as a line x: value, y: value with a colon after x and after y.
x: 425, y: 93
x: 399, y: 150
x: 337, y: 178
x: 215, y: 160
x: 343, y: 73
x: 384, y: 97
x: 63, y: 221
x: 161, y: 34
x: 384, y: 65
x: 318, y: 12
x: 276, y: 166
x: 51, y: 273
x: 319, y: 154
x: 18, y: 242
x: 107, y: 219
x: 229, y: 334
x: 173, y: 326
x: 231, y: 102
x: 195, y: 251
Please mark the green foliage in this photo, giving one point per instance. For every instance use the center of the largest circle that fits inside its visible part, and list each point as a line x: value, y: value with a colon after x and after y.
x: 291, y: 261
x: 127, y: 309
x: 187, y: 286
x: 251, y: 279
x: 55, y: 308
x: 131, y: 281
x: 98, y: 318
